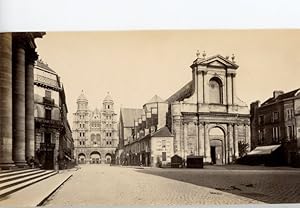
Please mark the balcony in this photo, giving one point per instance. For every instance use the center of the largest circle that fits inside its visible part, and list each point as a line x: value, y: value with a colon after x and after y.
x: 42, y: 122
x: 48, y: 101
x: 48, y: 147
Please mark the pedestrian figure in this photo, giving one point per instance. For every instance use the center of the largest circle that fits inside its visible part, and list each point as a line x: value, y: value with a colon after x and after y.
x: 31, y: 162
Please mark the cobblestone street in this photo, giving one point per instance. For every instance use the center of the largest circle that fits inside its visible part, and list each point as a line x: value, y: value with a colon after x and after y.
x: 106, y: 185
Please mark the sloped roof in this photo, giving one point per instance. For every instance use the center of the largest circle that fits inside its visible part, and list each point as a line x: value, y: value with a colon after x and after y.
x: 162, y: 132
x: 156, y: 99
x: 215, y: 59
x: 44, y: 66
x: 281, y: 97
x: 129, y: 115
x: 185, y: 92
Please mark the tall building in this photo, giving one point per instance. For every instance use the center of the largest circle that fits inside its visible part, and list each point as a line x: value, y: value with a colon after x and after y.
x: 54, y: 144
x: 276, y: 124
x: 204, y: 118
x: 95, y: 132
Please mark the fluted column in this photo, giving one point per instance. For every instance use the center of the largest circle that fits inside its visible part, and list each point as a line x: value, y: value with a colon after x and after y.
x: 200, y: 86
x: 31, y: 56
x: 19, y: 103
x: 236, y: 141
x: 207, y: 144
x: 6, y: 101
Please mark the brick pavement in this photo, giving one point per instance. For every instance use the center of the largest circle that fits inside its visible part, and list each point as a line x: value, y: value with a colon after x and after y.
x: 104, y: 185
x: 277, y: 185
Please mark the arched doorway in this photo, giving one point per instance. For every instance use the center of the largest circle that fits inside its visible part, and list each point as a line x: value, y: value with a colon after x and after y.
x: 95, y: 158
x: 81, y: 158
x: 216, y: 139
x: 108, y: 158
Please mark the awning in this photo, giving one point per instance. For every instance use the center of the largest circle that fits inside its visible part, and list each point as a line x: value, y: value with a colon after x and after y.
x: 66, y: 156
x: 264, y: 150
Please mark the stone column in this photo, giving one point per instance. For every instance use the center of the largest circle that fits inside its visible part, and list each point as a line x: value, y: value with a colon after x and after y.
x: 230, y: 143
x: 185, y: 137
x: 31, y: 56
x: 248, y: 137
x: 205, y: 88
x: 200, y: 86
x: 207, y: 144
x: 233, y: 90
x: 236, y: 141
x: 229, y: 89
x: 201, y: 139
x: 6, y: 101
x: 19, y: 103
x: 197, y: 152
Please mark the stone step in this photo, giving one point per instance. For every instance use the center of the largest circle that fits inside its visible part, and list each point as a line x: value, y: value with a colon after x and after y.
x: 22, y: 180
x: 24, y: 184
x: 16, y: 172
x: 21, y: 175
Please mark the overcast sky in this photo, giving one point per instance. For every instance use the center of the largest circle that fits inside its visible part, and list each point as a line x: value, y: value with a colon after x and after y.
x: 134, y: 66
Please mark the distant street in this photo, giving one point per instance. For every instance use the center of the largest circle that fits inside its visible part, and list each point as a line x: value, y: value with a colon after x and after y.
x: 99, y: 184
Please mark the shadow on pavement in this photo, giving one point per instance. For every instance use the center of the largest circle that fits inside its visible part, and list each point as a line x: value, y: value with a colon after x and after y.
x: 266, y: 186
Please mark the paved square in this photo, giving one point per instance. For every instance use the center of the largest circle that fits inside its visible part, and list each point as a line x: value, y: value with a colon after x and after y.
x: 108, y: 185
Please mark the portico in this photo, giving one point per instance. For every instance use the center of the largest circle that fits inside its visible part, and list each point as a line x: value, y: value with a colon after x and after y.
x: 17, y: 56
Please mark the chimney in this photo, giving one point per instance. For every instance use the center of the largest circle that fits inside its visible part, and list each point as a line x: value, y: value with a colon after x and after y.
x: 276, y: 93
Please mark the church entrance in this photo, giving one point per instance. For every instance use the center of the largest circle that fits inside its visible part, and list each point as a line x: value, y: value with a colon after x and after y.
x: 81, y: 158
x: 216, y: 138
x: 95, y: 158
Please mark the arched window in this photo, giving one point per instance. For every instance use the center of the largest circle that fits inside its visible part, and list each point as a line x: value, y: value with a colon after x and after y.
x: 215, y: 90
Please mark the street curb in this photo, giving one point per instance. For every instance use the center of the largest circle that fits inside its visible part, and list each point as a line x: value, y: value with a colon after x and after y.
x: 47, y: 197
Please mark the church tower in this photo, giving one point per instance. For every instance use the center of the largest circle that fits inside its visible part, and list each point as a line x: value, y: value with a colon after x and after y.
x: 109, y: 123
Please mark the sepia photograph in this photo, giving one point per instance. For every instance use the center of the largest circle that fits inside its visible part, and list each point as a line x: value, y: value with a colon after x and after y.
x: 150, y: 117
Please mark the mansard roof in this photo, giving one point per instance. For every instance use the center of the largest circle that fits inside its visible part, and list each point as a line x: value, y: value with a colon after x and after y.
x: 215, y: 61
x: 281, y: 97
x: 129, y: 115
x: 185, y: 92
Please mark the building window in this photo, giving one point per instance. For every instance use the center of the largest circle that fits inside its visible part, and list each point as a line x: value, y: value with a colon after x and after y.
x: 261, y: 120
x: 48, y: 114
x: 79, y: 142
x: 108, y: 107
x: 215, y: 90
x: 48, y: 94
x: 163, y: 143
x: 261, y: 136
x: 275, y: 116
x: 275, y: 131
x: 83, y: 142
x: 291, y: 133
x: 47, y: 136
x: 164, y: 156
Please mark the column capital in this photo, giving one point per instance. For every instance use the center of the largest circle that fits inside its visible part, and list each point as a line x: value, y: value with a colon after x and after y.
x: 31, y: 56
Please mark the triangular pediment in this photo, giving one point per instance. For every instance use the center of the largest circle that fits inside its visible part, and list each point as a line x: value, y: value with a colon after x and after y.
x: 219, y: 62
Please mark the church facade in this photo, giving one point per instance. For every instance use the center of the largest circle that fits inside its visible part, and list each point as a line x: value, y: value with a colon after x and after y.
x: 206, y: 117
x: 95, y: 132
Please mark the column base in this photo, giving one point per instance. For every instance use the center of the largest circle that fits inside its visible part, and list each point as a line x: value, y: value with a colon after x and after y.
x: 21, y: 164
x: 207, y: 160
x: 7, y: 166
